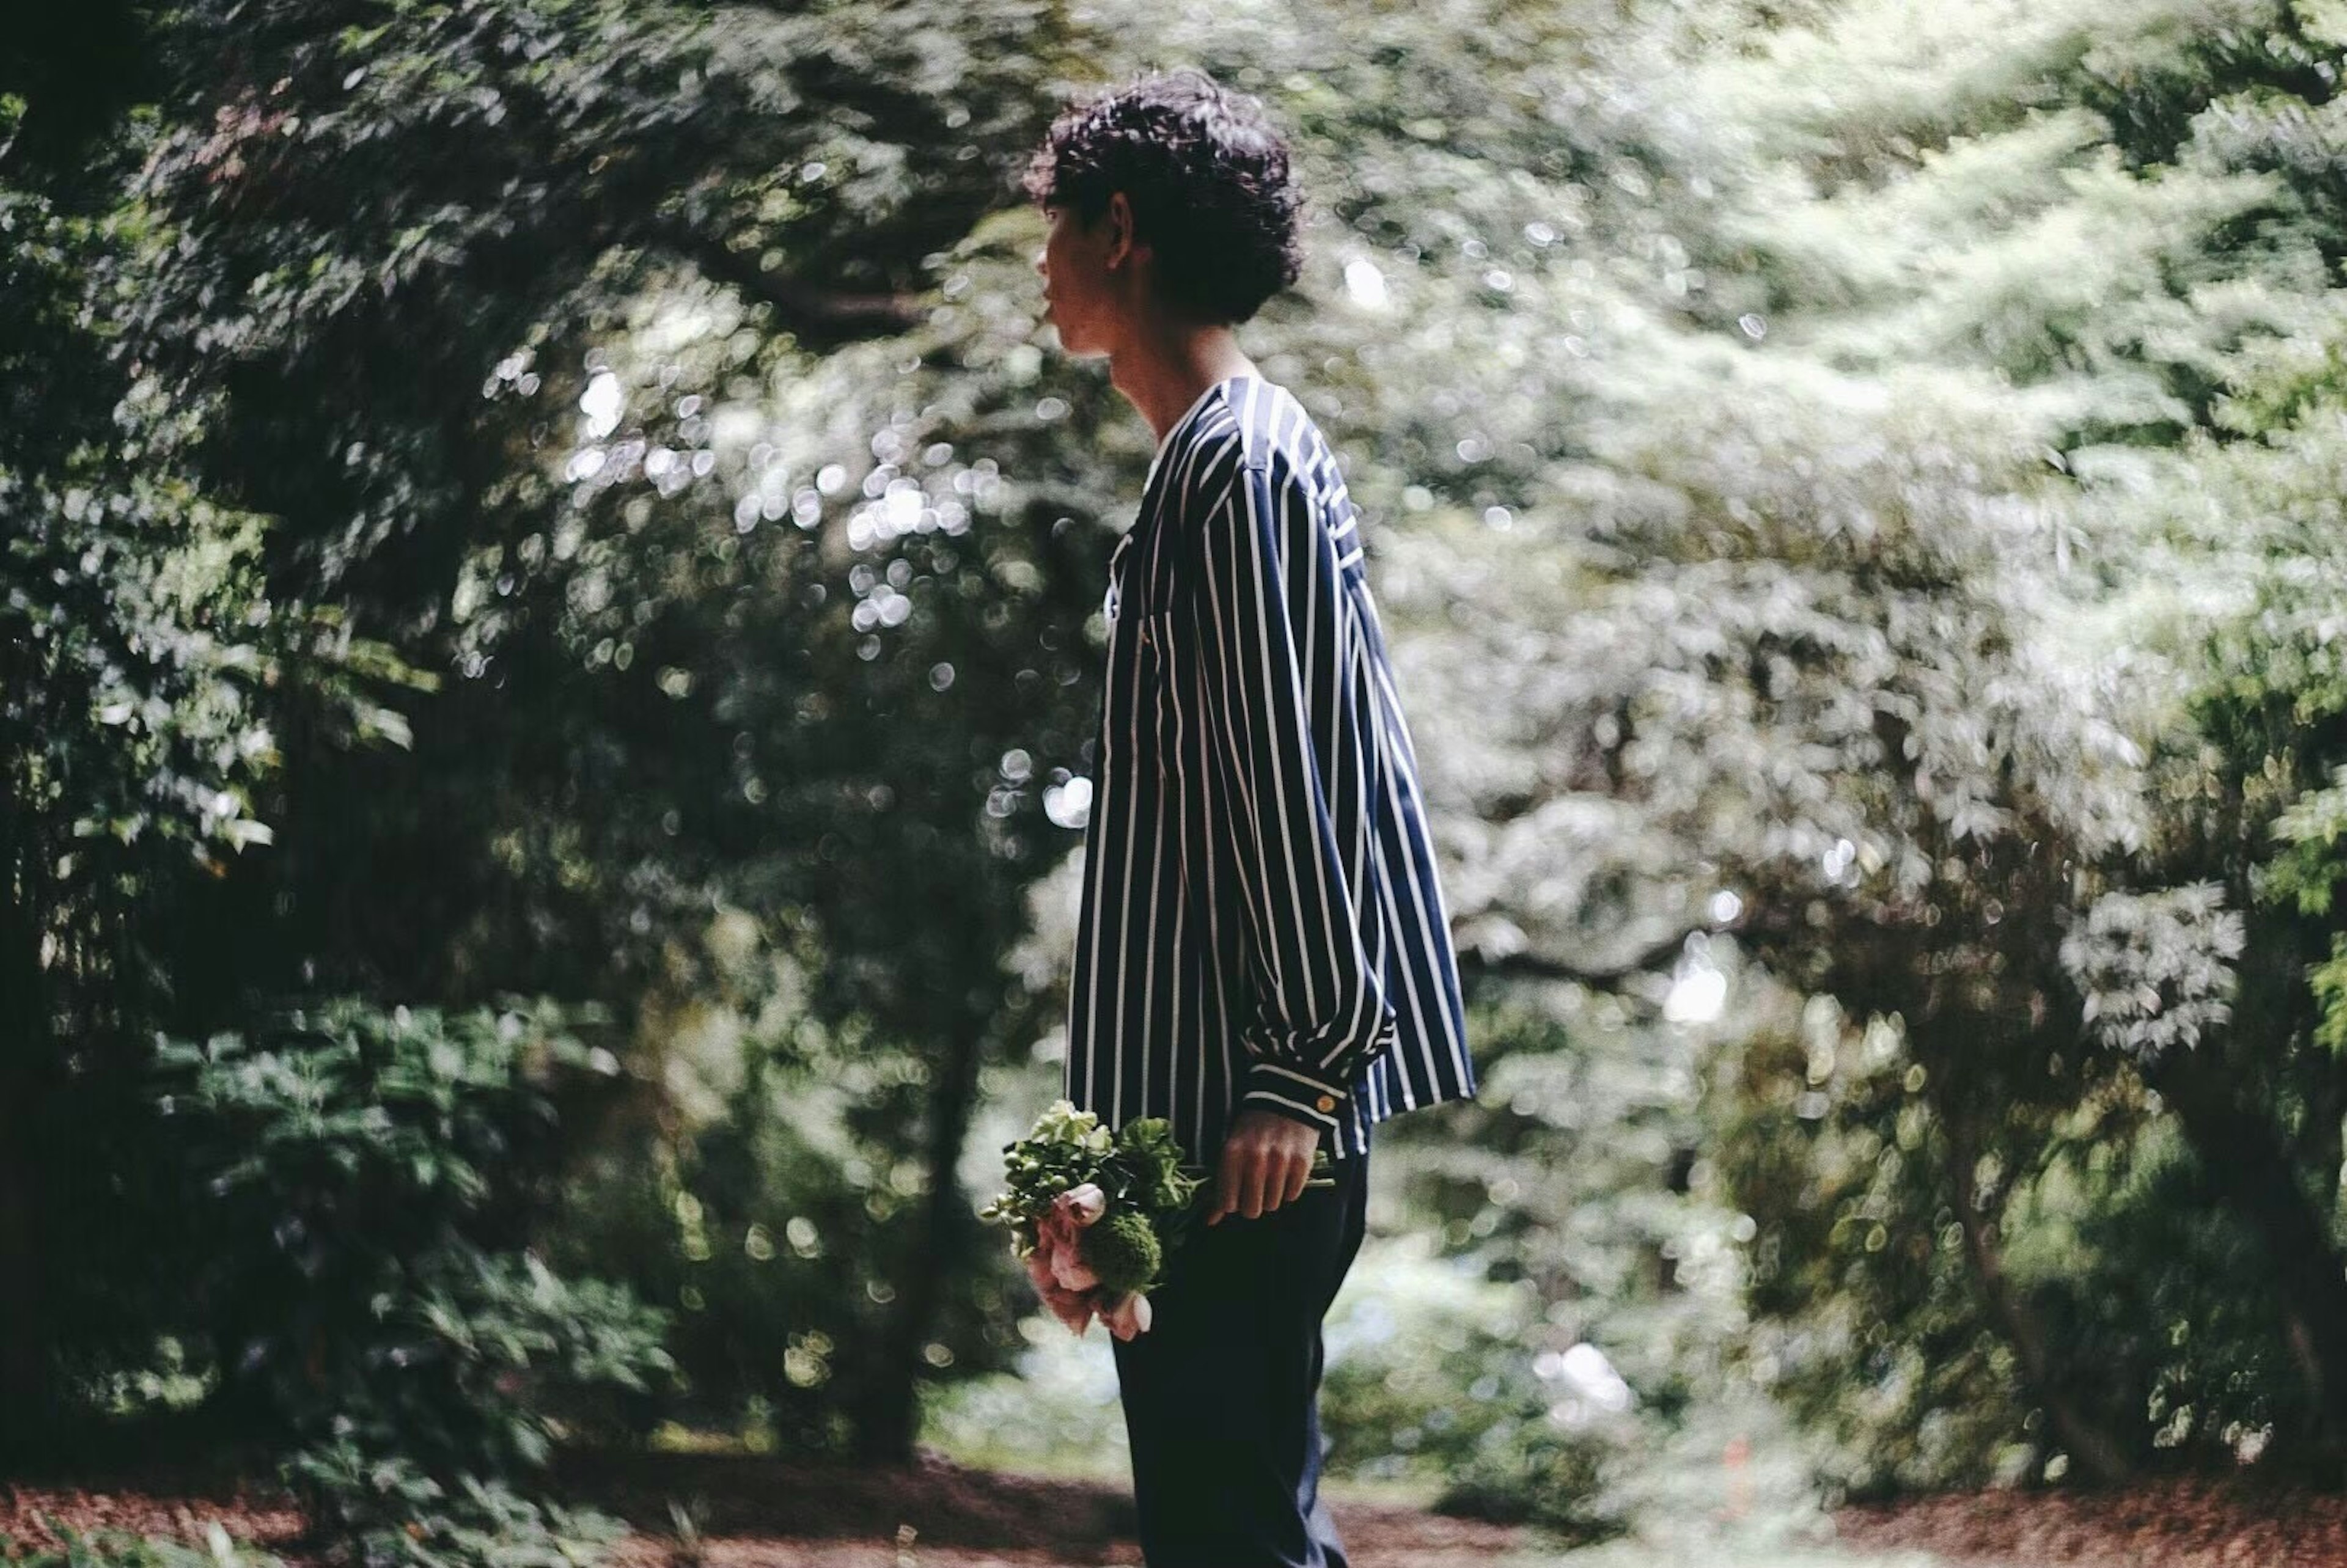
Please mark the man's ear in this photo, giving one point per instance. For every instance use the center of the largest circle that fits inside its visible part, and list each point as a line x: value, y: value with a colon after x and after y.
x: 1122, y: 246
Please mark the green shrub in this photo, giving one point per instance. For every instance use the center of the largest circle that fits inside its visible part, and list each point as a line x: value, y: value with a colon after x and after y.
x: 1437, y: 1375
x: 2146, y: 1280
x: 370, y: 1292
x: 112, y: 1548
x: 383, y: 1511
x: 778, y: 1219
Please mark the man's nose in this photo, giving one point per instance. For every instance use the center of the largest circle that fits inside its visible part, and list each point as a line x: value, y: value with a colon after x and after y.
x: 1038, y: 263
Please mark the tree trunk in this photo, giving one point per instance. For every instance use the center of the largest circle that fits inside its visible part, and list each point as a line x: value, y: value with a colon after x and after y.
x: 2243, y: 1153
x: 24, y: 1390
x: 24, y: 1382
x: 888, y: 1426
x: 2097, y: 1454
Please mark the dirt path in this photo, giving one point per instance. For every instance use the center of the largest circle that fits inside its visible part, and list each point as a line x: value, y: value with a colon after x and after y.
x: 2191, y: 1524
x: 759, y: 1513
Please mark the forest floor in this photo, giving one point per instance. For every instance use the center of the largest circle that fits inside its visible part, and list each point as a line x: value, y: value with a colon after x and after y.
x: 756, y: 1513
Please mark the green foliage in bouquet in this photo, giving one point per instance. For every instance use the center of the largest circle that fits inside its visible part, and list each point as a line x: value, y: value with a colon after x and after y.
x: 1124, y: 1251
x: 1139, y: 1167
x: 1151, y: 1192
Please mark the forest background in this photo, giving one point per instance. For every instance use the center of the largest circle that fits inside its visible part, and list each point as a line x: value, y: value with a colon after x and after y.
x: 550, y: 592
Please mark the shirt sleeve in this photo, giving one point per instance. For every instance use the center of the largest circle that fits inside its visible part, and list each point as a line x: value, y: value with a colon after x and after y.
x: 1268, y: 628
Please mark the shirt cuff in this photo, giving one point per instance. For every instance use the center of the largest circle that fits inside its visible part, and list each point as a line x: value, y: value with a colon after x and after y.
x: 1296, y: 1093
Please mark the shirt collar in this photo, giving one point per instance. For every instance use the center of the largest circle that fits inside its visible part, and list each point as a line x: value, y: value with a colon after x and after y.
x: 1188, y: 413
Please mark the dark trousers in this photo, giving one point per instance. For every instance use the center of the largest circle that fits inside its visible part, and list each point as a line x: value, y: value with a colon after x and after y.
x: 1220, y: 1394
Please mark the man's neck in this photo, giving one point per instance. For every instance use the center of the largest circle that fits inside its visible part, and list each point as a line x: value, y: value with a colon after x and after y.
x: 1162, y: 378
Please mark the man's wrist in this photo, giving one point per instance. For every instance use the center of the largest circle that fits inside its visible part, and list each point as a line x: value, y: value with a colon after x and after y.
x: 1298, y: 1093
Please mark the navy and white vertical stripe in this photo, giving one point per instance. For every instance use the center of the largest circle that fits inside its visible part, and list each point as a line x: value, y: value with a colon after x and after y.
x: 1261, y: 922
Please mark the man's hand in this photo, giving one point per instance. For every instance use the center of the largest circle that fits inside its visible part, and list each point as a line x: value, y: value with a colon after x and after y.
x: 1267, y: 1160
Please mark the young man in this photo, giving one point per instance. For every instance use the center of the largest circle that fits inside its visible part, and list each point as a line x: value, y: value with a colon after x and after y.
x: 1263, y: 954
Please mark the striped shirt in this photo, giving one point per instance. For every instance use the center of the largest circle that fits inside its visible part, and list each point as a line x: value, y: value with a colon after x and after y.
x: 1260, y: 922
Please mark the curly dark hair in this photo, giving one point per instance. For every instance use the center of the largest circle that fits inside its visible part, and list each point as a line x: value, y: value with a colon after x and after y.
x: 1208, y: 179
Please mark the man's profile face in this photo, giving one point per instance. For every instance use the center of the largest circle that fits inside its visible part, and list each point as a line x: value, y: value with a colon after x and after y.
x: 1085, y: 271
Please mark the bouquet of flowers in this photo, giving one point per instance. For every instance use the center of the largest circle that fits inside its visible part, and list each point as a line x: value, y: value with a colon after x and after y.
x: 1096, y: 1215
